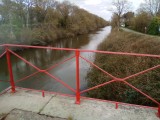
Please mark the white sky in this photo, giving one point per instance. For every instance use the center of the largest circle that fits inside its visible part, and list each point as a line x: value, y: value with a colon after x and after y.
x: 101, y: 7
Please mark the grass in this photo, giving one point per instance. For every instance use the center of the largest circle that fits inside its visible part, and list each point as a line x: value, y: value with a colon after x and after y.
x: 70, y: 118
x: 123, y: 66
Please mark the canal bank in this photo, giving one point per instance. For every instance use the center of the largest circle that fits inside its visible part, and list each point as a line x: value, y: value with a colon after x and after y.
x: 137, y: 80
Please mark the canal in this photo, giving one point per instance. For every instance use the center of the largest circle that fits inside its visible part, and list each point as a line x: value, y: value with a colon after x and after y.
x: 45, y: 58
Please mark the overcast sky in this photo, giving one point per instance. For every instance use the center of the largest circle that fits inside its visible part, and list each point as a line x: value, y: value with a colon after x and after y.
x: 101, y: 7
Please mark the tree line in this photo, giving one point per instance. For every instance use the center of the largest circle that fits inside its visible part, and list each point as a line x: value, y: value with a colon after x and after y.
x: 42, y: 21
x: 146, y: 19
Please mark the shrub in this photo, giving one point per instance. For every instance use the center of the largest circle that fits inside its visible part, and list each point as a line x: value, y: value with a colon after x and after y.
x: 153, y: 28
x: 123, y: 66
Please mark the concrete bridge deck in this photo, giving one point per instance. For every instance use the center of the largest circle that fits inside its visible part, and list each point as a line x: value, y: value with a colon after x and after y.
x: 64, y: 107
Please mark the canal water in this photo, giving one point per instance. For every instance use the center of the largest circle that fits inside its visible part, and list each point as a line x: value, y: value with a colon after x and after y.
x: 45, y: 58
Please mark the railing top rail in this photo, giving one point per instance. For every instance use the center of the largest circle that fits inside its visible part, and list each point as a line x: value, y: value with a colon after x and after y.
x: 81, y: 50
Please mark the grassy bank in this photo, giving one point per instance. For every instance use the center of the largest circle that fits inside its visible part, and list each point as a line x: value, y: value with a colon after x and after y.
x: 123, y: 66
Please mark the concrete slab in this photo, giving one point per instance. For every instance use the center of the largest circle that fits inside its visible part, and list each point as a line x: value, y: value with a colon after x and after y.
x: 26, y: 115
x: 94, y: 110
x: 24, y: 100
x: 2, y: 116
x: 64, y: 107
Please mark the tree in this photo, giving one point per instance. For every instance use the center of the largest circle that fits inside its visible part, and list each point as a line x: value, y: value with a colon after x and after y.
x: 128, y: 18
x: 28, y: 5
x: 65, y: 9
x: 19, y: 13
x: 119, y: 8
x: 6, y: 12
x: 141, y: 21
x: 153, y: 28
x: 151, y: 6
x: 114, y: 21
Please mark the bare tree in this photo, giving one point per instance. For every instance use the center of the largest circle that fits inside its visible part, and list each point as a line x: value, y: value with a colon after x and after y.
x: 65, y: 9
x: 119, y: 8
x: 28, y: 5
x: 151, y: 6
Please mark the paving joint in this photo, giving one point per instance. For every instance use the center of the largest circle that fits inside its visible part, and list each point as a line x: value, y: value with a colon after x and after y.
x: 45, y: 104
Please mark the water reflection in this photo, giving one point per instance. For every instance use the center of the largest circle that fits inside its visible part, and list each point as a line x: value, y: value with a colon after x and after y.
x: 45, y: 58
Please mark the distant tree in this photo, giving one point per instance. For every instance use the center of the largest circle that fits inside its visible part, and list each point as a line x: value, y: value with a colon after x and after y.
x: 119, y: 8
x: 151, y: 6
x: 28, y: 5
x: 7, y: 14
x: 65, y: 9
x: 128, y: 18
x: 114, y: 21
x: 19, y: 13
x: 154, y: 26
x: 142, y: 21
x: 6, y: 7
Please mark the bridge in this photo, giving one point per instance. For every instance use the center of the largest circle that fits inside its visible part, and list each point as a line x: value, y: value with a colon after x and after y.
x: 64, y: 105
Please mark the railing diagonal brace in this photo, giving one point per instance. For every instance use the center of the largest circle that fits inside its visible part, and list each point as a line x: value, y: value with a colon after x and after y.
x: 25, y: 60
x: 60, y: 81
x: 142, y: 72
x: 57, y: 64
x: 2, y: 54
x: 44, y: 71
x: 4, y: 81
x: 101, y: 85
x: 142, y: 93
x: 113, y: 77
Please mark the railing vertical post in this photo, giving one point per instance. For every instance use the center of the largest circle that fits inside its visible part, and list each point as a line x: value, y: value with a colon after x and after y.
x: 77, y: 52
x: 10, y: 70
x: 116, y: 105
x: 43, y: 94
x: 158, y: 114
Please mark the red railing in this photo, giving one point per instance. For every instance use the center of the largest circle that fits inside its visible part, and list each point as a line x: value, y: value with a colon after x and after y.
x: 77, y: 55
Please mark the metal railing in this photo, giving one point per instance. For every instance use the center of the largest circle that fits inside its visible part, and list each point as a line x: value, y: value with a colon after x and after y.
x: 77, y: 55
